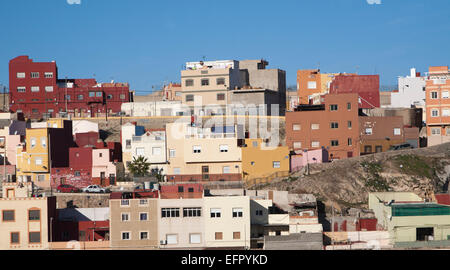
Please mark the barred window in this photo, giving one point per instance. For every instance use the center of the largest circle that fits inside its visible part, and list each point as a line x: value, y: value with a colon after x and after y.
x: 170, y: 212
x: 34, y: 215
x: 192, y: 212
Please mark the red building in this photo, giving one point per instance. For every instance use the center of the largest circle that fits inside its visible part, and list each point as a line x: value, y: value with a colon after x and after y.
x: 182, y: 191
x: 36, y: 91
x: 367, y: 86
x: 78, y: 174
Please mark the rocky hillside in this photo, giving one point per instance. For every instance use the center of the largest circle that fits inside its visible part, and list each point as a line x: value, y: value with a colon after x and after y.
x: 346, y: 183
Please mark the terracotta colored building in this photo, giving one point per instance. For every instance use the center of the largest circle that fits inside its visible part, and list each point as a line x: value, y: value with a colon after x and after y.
x: 366, y: 86
x: 438, y: 105
x: 333, y: 125
x: 378, y: 134
x: 36, y: 90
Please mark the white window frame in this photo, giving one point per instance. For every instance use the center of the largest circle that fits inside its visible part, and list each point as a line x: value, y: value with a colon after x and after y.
x: 226, y: 169
x: 21, y: 89
x: 172, y: 153
x: 368, y: 131
x: 312, y: 85
x: 156, y: 151
x: 140, y: 151
x: 49, y: 89
x: 445, y: 94
x: 296, y: 127
x: 434, y: 129
x: 223, y: 148
x: 168, y: 239
x: 21, y: 75
x: 215, y: 211
x: 446, y: 112
x: 177, y: 171
x: 315, y: 126
x: 315, y: 144
x: 397, y: 131
x: 146, y: 213
x: 238, y: 210
x: 35, y: 89
x: 140, y: 235
x: 127, y: 214
x: 197, y: 236
x: 297, y: 145
x: 122, y: 234
x: 196, y: 149
x: 432, y: 93
x: 434, y: 111
x: 48, y: 75
x: 276, y: 164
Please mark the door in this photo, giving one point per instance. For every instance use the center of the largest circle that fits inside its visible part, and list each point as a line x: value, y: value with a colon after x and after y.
x: 205, y: 173
x: 102, y: 178
x: 62, y: 181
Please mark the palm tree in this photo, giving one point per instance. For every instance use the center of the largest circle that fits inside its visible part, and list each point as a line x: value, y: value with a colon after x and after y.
x: 139, y: 166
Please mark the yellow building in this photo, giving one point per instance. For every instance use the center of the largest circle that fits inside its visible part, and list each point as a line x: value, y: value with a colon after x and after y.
x: 260, y: 161
x: 44, y: 148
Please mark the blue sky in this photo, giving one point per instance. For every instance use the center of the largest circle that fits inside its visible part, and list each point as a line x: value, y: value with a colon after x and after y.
x: 147, y: 42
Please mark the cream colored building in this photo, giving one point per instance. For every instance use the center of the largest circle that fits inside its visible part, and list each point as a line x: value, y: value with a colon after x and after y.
x: 202, y: 154
x: 25, y: 220
x: 181, y: 223
x: 134, y: 223
x: 227, y: 221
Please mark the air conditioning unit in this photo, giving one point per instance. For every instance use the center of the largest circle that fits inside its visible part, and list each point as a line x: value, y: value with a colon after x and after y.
x: 163, y: 242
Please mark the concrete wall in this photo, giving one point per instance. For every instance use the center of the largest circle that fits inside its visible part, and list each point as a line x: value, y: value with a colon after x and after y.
x: 303, y: 241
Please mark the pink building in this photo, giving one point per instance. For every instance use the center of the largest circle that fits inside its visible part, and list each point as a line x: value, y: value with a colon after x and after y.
x: 302, y: 158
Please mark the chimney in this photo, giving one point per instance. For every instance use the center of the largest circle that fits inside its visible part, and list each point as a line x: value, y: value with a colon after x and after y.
x: 413, y: 73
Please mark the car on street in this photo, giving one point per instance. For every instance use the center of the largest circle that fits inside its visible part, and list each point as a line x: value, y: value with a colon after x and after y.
x: 95, y: 189
x: 67, y: 189
x: 402, y: 146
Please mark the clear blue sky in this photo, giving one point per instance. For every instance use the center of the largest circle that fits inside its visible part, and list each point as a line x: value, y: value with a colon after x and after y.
x: 147, y: 42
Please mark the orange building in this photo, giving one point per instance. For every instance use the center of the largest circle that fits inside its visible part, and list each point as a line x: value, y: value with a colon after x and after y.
x: 334, y: 125
x: 438, y: 105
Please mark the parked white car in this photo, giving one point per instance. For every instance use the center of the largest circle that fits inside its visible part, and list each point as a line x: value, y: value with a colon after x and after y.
x: 94, y: 189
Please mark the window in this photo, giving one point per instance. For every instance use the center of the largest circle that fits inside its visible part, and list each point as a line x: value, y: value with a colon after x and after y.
x: 255, y: 144
x: 49, y: 89
x: 297, y: 145
x: 445, y: 94
x: 276, y: 164
x: 34, y: 88
x: 34, y: 75
x: 122, y: 96
x: 170, y: 212
x: 178, y: 94
x: 67, y: 97
x: 220, y: 81
x: 446, y: 112
x: 172, y: 239
x: 296, y: 127
x: 156, y: 151
x: 21, y: 89
x: 315, y: 126
x: 220, y: 96
x: 44, y: 142
x: 126, y: 236
x: 226, y: 169
x: 8, y: 215
x: 109, y: 96
x: 434, y: 95
x: 80, y: 97
x: 15, y: 238
x: 368, y: 131
x: 312, y: 85
x: 180, y: 189
x: 397, y: 131
x: 435, y: 131
x: 143, y: 202
x: 176, y: 171
x: 189, y: 98
x: 259, y: 212
x: 192, y: 212
x: 143, y: 235
x: 349, y: 141
x: 125, y: 203
x: 205, y: 82
x: 195, y: 238
x: 38, y: 161
x: 143, y: 216
x: 125, y: 217
x: 349, y: 106
x: 334, y: 125
x: 48, y: 75
x: 140, y: 151
x: 333, y: 107
x: 34, y: 215
x: 77, y: 173
x: 223, y: 148
x: 315, y: 144
x: 172, y: 153
x: 20, y: 75
x: 349, y: 124
x: 98, y: 94
x: 215, y: 212
x: 334, y: 143
x: 197, y: 149
x: 236, y: 235
x: 237, y: 212
x: 34, y: 237
x: 189, y: 82
x: 91, y: 94
x: 218, y: 236
x: 434, y: 113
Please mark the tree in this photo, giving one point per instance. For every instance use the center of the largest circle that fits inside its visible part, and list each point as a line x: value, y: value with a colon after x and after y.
x: 139, y: 166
